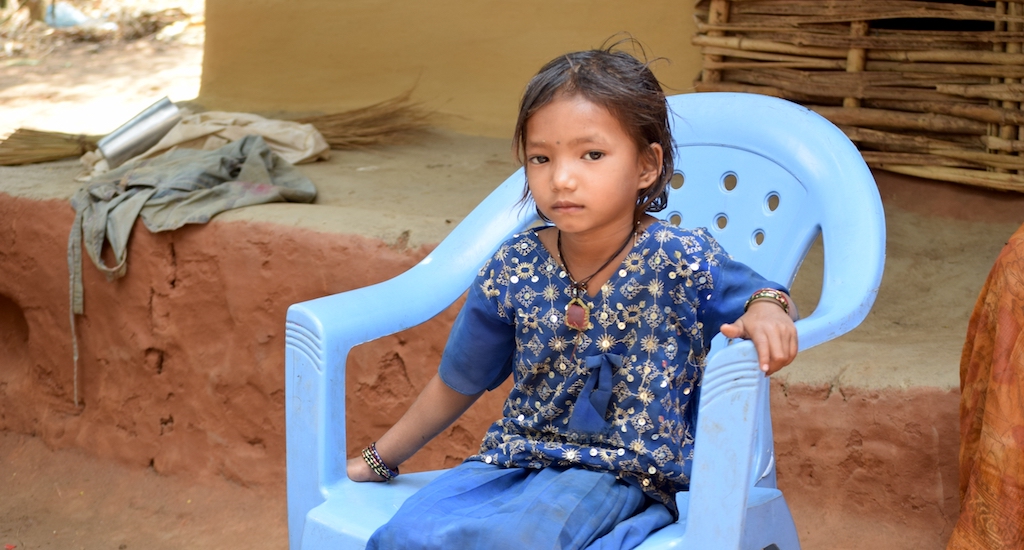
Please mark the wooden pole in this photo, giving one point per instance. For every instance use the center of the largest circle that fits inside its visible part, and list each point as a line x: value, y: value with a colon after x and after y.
x: 877, y: 158
x: 835, y: 84
x: 991, y: 180
x: 966, y: 69
x: 893, y: 40
x: 803, y: 12
x: 803, y: 60
x: 1003, y: 92
x: 973, y: 111
x: 855, y: 59
x: 1008, y: 131
x: 892, y: 141
x: 770, y: 46
x: 1000, y: 144
x: 718, y: 14
x: 948, y: 56
x: 737, y: 87
x: 932, y: 56
x: 880, y: 118
x: 998, y: 47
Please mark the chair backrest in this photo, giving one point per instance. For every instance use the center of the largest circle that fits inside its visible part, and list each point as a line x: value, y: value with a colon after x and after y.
x: 766, y: 176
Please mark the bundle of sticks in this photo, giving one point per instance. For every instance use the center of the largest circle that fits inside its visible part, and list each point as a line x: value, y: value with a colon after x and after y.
x: 925, y: 88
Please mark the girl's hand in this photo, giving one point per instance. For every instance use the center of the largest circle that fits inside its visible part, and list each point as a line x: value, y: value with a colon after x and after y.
x: 359, y: 470
x: 772, y: 331
x: 433, y: 411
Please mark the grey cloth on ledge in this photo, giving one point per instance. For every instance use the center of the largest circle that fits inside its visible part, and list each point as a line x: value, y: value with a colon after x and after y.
x: 176, y: 188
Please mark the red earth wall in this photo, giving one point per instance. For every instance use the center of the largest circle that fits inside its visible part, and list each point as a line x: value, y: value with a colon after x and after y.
x: 182, y: 369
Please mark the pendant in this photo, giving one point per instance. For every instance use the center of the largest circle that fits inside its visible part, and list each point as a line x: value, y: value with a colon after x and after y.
x: 577, y: 315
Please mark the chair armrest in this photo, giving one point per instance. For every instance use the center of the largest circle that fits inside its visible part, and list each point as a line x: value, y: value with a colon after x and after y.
x: 428, y: 287
x: 320, y: 333
x: 727, y: 421
x: 724, y: 448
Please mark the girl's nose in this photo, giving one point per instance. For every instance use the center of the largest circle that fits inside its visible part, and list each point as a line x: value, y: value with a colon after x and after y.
x: 563, y: 177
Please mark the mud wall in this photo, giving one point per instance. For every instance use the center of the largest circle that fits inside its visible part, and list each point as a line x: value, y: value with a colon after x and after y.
x: 181, y: 370
x: 181, y: 361
x: 887, y: 457
x: 465, y: 59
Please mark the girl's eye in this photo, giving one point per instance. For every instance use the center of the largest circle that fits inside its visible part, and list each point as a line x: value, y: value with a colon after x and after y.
x: 538, y: 159
x: 593, y: 155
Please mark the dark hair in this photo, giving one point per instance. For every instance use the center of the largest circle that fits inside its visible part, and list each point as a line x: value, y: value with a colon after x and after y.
x: 620, y: 83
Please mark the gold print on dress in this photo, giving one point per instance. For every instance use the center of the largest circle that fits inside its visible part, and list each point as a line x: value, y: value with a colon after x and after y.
x: 634, y: 263
x: 645, y: 313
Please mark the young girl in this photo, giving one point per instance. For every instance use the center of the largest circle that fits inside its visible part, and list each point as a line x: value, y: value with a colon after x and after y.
x: 604, y: 318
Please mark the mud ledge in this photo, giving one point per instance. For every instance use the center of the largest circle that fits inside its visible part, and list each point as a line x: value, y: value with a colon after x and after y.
x: 181, y: 363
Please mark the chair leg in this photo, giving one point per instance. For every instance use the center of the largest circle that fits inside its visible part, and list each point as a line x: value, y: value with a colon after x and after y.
x: 769, y: 526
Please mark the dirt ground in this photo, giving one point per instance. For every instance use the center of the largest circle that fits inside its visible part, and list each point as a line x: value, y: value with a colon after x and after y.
x: 67, y: 499
x: 70, y: 500
x: 93, y: 88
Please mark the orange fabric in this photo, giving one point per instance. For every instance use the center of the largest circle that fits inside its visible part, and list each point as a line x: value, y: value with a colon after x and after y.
x: 992, y: 411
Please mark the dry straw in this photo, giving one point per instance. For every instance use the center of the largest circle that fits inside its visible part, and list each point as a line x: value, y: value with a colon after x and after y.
x: 27, y: 146
x: 393, y: 121
x: 925, y: 88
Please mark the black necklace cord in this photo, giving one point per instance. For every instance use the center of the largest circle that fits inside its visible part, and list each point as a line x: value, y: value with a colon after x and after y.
x: 578, y: 288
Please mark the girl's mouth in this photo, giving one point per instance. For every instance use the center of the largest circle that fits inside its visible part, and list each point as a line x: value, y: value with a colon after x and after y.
x: 566, y: 206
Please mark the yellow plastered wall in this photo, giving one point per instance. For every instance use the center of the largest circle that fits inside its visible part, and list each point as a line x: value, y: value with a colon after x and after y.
x: 466, y: 59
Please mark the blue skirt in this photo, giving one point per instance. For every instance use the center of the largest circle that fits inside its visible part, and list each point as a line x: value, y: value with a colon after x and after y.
x: 478, y: 505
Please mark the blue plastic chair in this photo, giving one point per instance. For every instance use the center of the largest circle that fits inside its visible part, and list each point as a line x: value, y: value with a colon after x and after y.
x: 766, y: 176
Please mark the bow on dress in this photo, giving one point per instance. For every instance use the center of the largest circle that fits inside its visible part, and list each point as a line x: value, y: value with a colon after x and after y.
x: 592, y: 406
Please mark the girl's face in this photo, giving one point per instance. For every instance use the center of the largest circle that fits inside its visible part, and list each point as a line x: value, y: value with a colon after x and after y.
x: 583, y: 169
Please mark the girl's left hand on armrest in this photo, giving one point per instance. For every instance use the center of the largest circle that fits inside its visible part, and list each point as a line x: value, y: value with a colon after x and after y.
x: 771, y: 330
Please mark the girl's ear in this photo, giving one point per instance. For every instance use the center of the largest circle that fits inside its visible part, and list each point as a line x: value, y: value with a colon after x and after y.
x: 650, y: 165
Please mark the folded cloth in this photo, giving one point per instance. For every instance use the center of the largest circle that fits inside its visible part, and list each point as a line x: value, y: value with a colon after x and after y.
x: 992, y: 411
x: 168, y: 191
x: 297, y: 143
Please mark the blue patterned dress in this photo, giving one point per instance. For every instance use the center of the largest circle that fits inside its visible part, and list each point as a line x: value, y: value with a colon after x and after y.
x: 617, y: 401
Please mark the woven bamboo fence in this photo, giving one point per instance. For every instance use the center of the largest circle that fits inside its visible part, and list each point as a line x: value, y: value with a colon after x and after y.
x: 925, y: 88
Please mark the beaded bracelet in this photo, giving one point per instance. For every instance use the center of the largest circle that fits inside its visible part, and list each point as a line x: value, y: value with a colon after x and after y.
x: 768, y: 294
x: 376, y: 463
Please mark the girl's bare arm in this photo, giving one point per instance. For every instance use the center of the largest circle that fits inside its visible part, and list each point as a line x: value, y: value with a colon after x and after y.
x: 434, y: 410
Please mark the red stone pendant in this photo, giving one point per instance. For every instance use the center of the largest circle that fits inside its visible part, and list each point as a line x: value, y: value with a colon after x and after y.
x: 577, y: 315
